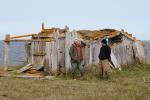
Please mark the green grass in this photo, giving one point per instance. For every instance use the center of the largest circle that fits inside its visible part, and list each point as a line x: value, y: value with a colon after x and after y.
x: 127, y: 84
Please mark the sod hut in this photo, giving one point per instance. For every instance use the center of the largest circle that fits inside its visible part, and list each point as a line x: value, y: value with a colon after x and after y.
x: 49, y: 49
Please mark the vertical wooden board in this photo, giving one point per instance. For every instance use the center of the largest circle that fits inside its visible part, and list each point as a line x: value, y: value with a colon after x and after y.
x: 54, y: 53
x: 86, y: 54
x: 118, y: 50
x: 91, y: 54
x: 32, y: 51
x: 128, y: 51
x: 6, y: 55
x: 38, y: 54
x: 96, y: 50
x: 140, y: 53
x: 67, y: 48
x: 70, y: 37
x: 48, y: 60
x: 115, y: 61
x: 61, y: 53
x: 28, y: 53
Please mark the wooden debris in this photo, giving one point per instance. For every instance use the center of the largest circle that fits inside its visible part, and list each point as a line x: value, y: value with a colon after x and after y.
x: 25, y: 68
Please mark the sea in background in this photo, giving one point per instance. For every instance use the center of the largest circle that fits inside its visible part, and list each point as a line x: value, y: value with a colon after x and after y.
x: 147, y: 44
x: 17, y: 56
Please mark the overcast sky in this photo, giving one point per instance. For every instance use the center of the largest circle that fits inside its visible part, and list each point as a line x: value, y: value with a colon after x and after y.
x: 25, y: 16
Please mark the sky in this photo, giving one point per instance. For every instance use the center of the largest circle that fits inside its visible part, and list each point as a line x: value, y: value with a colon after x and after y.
x: 19, y: 17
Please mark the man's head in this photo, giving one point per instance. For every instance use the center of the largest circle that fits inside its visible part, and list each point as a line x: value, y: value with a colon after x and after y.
x: 104, y: 42
x: 80, y: 42
x: 77, y: 42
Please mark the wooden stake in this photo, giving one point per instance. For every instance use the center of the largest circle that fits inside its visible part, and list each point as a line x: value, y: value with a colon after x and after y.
x: 7, y: 52
x: 90, y: 53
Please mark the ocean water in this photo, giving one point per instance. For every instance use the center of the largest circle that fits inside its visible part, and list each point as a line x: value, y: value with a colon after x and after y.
x: 17, y: 55
x: 147, y: 43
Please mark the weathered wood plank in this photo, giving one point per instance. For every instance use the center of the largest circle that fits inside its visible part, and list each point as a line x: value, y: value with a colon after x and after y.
x: 26, y: 35
x: 25, y: 68
x: 32, y: 40
x: 6, y: 55
x: 7, y: 52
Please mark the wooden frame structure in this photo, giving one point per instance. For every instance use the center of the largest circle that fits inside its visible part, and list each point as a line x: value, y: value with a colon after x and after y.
x: 50, y: 48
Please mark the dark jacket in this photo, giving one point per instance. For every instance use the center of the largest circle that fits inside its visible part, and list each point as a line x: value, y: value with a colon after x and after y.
x: 105, y: 52
x: 74, y: 55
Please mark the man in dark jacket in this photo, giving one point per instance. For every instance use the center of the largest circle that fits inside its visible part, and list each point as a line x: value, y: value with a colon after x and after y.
x: 104, y: 57
x: 76, y: 55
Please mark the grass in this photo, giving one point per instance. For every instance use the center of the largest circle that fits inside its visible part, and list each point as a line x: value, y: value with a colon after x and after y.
x: 127, y: 84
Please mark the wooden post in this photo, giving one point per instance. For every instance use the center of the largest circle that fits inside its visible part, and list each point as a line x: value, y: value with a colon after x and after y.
x: 91, y: 54
x: 69, y: 39
x: 54, y: 53
x: 67, y: 47
x: 6, y: 52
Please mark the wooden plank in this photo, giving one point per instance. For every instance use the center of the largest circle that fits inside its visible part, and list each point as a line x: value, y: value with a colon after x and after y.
x: 61, y: 54
x: 48, y: 61
x: 91, y: 54
x: 6, y: 55
x: 27, y: 35
x: 115, y: 61
x: 55, y: 52
x: 25, y: 68
x: 70, y: 37
x: 39, y: 58
x: 31, y: 40
x: 96, y: 50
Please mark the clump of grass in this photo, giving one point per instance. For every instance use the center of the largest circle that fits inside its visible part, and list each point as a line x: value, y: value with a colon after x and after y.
x: 92, y: 72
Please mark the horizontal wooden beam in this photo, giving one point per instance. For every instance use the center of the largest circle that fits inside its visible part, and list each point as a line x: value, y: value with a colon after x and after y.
x: 32, y: 40
x: 7, y: 38
x: 15, y: 37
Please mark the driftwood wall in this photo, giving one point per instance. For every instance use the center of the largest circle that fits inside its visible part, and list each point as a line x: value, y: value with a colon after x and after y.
x: 53, y: 56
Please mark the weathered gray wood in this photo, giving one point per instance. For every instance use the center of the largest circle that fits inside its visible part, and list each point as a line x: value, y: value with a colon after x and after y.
x: 69, y: 39
x: 61, y: 54
x: 48, y: 60
x: 29, y: 40
x: 86, y: 54
x: 6, y: 55
x: 96, y: 50
x: 57, y: 52
x: 54, y: 53
x: 25, y: 68
x: 140, y: 54
x: 91, y: 54
x: 115, y: 61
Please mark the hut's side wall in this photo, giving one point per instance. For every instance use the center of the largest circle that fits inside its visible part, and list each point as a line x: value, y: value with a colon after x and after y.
x: 140, y: 52
x: 57, y: 52
x: 38, y: 53
x: 95, y: 53
x: 48, y: 58
x: 61, y: 54
x: 123, y: 51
